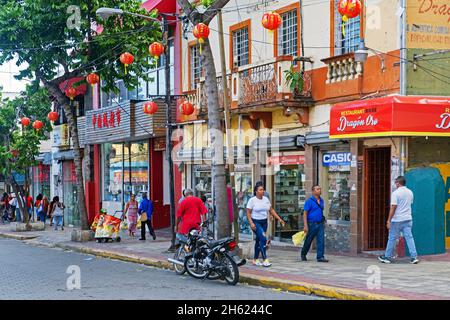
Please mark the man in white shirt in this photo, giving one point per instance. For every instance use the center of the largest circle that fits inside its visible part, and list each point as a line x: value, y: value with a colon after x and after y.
x: 400, y: 220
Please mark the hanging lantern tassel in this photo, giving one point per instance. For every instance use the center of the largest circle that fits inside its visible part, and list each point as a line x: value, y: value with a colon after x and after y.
x: 126, y: 68
x: 344, y: 21
x: 201, y: 42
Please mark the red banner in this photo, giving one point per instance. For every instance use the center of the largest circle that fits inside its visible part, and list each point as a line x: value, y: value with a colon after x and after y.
x: 391, y: 116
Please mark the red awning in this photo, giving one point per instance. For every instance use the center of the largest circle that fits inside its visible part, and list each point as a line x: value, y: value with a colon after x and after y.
x: 163, y: 6
x: 80, y: 89
x: 391, y: 116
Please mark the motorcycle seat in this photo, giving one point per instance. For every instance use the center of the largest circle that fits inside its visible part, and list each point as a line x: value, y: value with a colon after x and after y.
x: 215, y: 243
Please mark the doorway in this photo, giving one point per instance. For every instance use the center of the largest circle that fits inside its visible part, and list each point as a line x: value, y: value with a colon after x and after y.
x: 377, y: 197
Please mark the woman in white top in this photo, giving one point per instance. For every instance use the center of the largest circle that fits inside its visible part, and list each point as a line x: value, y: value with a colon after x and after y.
x: 258, y: 209
x: 58, y: 213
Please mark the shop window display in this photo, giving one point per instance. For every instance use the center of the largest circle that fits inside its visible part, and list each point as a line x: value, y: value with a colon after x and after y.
x: 289, y: 199
x: 112, y: 172
x: 244, y: 191
x: 338, y: 193
x: 202, y: 181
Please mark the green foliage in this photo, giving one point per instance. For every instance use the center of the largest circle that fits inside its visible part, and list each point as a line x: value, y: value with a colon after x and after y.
x: 47, y: 34
x: 207, y: 3
x: 35, y: 104
x: 294, y: 80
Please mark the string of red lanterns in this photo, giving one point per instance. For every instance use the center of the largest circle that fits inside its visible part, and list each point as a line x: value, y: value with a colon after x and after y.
x: 92, y: 79
x: 71, y: 92
x: 53, y: 116
x: 271, y: 20
x: 187, y: 108
x: 25, y: 121
x: 38, y: 125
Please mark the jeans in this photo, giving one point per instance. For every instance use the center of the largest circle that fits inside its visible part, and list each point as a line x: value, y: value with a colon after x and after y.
x: 18, y: 216
x: 261, y: 239
x: 58, y: 221
x: 42, y: 216
x: 315, y: 230
x: 394, y: 234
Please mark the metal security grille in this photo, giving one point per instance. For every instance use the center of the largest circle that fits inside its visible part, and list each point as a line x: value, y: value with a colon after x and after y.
x: 240, y: 47
x: 377, y: 194
x: 196, y: 66
x: 287, y: 36
x: 349, y: 42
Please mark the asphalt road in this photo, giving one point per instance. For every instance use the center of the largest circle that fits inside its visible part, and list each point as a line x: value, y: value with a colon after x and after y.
x: 31, y: 272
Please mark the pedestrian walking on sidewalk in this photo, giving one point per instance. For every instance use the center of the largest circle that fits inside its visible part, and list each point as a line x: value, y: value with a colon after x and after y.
x: 132, y: 208
x: 58, y: 213
x: 190, y: 214
x: 314, y: 224
x: 146, y: 211
x: 400, y: 220
x: 258, y: 210
x: 42, y: 208
x: 37, y: 205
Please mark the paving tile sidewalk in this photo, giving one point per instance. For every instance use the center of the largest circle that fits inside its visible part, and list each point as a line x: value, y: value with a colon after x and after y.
x: 343, y: 278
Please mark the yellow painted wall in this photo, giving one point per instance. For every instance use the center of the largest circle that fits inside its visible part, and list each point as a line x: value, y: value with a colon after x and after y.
x: 444, y: 168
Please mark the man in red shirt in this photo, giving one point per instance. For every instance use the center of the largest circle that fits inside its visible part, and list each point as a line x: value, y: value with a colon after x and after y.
x: 190, y: 213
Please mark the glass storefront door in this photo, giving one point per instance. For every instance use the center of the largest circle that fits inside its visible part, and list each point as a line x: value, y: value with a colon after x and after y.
x: 244, y: 191
x: 289, y: 200
x: 70, y: 195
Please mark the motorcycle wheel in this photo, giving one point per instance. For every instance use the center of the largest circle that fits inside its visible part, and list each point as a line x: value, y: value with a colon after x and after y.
x: 193, y: 269
x: 232, y: 276
x: 179, y: 255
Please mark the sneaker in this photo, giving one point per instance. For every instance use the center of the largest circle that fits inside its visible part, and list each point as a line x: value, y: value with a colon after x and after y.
x: 384, y: 259
x: 303, y: 258
x: 257, y: 263
x: 154, y: 237
x: 142, y: 239
x: 266, y: 263
x: 414, y: 260
x: 322, y: 260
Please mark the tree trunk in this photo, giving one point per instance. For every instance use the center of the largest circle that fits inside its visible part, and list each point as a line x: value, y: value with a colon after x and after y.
x: 216, y: 133
x: 20, y: 202
x: 72, y: 122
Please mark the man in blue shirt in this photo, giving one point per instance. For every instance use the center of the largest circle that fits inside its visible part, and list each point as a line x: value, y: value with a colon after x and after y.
x: 146, y: 206
x: 313, y: 220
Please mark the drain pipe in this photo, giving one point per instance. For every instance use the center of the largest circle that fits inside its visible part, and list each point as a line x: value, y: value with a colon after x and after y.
x: 403, y: 66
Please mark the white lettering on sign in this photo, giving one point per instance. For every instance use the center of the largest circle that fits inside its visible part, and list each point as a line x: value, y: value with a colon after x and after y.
x: 344, y: 123
x: 340, y: 158
x: 445, y: 122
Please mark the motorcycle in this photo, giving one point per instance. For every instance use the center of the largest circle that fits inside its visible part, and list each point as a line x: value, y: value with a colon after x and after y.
x: 186, y: 244
x: 211, y: 259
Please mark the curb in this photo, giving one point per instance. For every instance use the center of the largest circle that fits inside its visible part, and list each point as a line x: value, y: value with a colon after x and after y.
x: 306, y: 288
x: 16, y: 237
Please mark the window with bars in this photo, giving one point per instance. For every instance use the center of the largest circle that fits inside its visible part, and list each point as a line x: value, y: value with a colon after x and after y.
x: 240, y: 47
x: 196, y: 66
x: 349, y: 42
x: 287, y: 35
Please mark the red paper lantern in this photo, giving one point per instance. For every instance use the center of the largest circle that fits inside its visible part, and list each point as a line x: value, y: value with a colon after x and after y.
x: 52, y: 116
x: 127, y: 59
x: 38, y: 125
x: 201, y: 32
x: 93, y: 79
x: 25, y: 121
x: 187, y: 108
x: 15, y: 153
x: 156, y: 49
x: 349, y: 9
x: 150, y: 107
x: 271, y: 20
x: 71, y: 92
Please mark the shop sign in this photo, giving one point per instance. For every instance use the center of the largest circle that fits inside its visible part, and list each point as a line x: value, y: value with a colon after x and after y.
x: 286, y: 160
x: 160, y: 144
x: 107, y: 119
x: 391, y: 116
x: 428, y: 24
x: 336, y: 159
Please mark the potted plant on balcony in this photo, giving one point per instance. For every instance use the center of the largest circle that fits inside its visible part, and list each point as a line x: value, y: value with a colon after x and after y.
x: 294, y: 79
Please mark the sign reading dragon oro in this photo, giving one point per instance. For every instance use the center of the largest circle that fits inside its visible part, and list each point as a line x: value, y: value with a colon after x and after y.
x: 428, y: 24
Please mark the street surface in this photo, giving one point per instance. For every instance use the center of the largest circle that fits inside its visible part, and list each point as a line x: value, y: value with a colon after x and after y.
x: 32, y: 272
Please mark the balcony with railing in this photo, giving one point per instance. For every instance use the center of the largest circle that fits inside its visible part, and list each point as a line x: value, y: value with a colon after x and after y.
x: 258, y: 86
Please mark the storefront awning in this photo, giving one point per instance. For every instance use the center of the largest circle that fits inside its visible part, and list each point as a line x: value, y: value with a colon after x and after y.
x: 64, y: 155
x: 163, y: 6
x: 391, y: 116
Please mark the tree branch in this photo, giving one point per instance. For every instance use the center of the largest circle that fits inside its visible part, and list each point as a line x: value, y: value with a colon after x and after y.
x: 212, y: 10
x: 191, y: 13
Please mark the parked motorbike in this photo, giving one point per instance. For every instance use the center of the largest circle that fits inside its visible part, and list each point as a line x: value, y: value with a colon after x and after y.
x: 211, y: 259
x: 187, y: 244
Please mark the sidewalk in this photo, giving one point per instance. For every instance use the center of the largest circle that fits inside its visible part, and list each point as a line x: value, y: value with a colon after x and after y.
x: 342, y: 278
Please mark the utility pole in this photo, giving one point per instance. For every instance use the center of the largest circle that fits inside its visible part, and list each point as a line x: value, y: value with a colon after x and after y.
x: 230, y: 151
x: 169, y: 128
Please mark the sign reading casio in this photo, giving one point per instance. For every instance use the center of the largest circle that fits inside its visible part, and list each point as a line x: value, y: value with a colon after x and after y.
x: 336, y: 159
